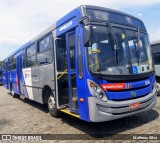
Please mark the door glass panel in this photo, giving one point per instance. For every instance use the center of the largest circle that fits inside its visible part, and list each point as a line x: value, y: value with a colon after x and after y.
x: 74, y: 97
x: 61, y: 55
x: 71, y: 45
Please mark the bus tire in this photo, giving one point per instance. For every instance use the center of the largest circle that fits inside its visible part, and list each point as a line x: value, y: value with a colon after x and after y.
x: 51, y: 103
x: 12, y: 92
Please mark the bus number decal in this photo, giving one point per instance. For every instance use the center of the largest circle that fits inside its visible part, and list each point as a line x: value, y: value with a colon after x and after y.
x: 134, y: 70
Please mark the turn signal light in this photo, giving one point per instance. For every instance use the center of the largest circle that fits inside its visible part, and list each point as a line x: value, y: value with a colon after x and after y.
x: 81, y: 100
x: 91, y: 84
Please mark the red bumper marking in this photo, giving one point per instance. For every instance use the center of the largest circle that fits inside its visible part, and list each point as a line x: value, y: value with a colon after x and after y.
x: 114, y: 86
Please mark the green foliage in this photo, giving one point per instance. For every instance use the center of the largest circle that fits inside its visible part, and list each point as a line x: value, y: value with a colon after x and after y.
x: 1, y: 63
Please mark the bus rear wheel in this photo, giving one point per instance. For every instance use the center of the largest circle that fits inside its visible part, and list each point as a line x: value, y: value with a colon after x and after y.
x: 52, y: 106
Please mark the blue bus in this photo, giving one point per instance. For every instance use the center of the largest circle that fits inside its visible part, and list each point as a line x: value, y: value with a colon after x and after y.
x: 1, y: 76
x: 94, y: 64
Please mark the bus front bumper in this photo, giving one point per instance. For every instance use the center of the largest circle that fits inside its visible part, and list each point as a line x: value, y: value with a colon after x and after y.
x: 100, y: 111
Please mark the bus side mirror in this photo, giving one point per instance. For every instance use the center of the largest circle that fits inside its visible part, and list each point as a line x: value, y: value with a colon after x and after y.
x: 87, y: 38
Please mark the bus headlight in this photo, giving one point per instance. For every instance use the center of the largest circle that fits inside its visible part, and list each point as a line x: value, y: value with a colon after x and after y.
x: 95, y: 88
x: 96, y: 91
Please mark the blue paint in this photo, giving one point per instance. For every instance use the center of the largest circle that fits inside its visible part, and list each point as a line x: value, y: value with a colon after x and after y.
x: 67, y: 26
x: 141, y: 88
x: 127, y: 94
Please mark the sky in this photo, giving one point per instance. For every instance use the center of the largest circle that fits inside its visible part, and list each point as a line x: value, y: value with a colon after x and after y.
x: 21, y: 20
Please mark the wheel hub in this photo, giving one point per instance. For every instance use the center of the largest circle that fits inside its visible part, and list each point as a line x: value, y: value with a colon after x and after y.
x: 51, y: 102
x: 12, y: 92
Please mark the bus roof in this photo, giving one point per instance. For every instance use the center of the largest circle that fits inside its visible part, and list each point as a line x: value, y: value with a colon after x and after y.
x: 78, y: 12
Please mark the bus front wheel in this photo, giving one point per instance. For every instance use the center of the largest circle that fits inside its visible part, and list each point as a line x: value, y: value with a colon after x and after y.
x: 52, y: 106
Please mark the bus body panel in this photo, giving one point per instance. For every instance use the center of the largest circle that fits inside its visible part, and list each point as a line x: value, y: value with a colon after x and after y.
x: 14, y: 82
x: 1, y: 76
x: 141, y: 88
x: 27, y: 75
x: 5, y: 74
x: 35, y: 84
x: 21, y: 83
x: 67, y: 26
x: 4, y: 79
x: 41, y: 77
x: 9, y: 79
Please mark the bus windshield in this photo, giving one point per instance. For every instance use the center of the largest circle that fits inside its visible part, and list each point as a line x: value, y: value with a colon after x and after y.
x: 125, y: 53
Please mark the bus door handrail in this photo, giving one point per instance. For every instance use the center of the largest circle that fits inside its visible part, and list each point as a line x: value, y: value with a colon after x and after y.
x: 62, y: 74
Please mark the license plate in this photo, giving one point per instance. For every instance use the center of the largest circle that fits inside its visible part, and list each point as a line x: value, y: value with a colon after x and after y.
x: 135, y: 105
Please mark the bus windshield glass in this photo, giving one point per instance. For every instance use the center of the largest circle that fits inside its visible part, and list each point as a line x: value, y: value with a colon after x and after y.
x: 125, y: 53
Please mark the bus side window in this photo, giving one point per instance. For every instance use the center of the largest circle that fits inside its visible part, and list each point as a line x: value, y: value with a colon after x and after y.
x: 61, y: 55
x: 12, y: 63
x: 31, y: 56
x: 45, y: 50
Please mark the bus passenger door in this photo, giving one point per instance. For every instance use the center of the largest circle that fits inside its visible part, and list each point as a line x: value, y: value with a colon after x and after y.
x: 72, y: 84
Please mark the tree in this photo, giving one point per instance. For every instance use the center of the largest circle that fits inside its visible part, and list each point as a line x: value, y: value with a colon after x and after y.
x: 1, y: 63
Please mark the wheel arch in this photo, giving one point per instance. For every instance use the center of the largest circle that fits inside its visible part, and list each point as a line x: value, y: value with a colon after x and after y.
x: 45, y: 92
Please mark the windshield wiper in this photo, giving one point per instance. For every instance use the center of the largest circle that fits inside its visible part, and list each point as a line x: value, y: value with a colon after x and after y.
x: 115, y: 44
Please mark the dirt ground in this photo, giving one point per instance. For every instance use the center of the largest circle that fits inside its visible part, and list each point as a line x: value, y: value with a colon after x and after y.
x: 18, y: 117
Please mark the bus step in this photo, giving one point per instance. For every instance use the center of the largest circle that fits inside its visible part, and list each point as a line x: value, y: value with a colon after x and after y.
x: 64, y: 106
x: 69, y: 113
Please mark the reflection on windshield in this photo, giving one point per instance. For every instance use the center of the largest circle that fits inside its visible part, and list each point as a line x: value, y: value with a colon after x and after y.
x: 101, y: 54
x: 133, y: 56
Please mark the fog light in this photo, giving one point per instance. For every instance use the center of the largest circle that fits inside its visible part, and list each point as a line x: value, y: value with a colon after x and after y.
x: 101, y: 95
x: 96, y: 94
